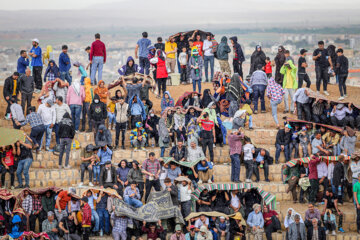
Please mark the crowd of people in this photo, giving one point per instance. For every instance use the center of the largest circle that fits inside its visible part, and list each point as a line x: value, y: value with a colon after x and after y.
x: 197, y: 122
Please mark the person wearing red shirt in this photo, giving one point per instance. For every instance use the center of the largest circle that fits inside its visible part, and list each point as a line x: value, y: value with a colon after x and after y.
x: 86, y: 217
x: 313, y: 177
x: 272, y: 223
x: 207, y: 134
x: 268, y: 68
x: 8, y: 161
x: 97, y: 58
x: 198, y: 43
x: 61, y: 201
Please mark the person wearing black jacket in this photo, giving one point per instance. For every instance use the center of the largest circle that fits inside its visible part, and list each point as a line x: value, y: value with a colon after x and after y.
x: 257, y: 58
x: 151, y: 126
x: 262, y: 157
x: 174, y: 193
x: 10, y: 89
x: 237, y: 227
x: 105, y: 170
x: 342, y: 70
x: 179, y: 152
x: 238, y: 56
x: 24, y: 161
x: 279, y: 61
x: 26, y: 87
x: 283, y: 139
x: 338, y: 177
x: 97, y: 113
x: 320, y: 230
x: 66, y: 135
x: 181, y: 43
x: 220, y: 202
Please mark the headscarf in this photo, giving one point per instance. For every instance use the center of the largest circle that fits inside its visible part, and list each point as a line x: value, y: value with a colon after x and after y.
x: 239, y: 113
x: 15, y: 230
x: 102, y: 92
x: 89, y: 90
x: 207, y: 98
x: 163, y: 131
x: 76, y: 86
x: 191, y: 127
x: 293, y: 213
x: 160, y: 54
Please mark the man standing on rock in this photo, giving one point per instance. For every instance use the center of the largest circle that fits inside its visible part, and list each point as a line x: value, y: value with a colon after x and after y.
x: 322, y: 62
x: 36, y: 64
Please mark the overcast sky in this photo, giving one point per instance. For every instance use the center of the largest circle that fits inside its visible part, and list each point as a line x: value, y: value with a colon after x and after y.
x: 269, y: 4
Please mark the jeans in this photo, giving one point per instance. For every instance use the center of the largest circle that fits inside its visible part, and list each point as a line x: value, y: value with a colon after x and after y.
x: 23, y: 167
x: 37, y: 134
x: 149, y: 184
x: 291, y: 92
x: 144, y: 64
x: 96, y: 171
x: 302, y: 78
x: 314, y: 188
x: 272, y: 227
x: 47, y: 132
x: 294, y: 145
x: 259, y: 92
x: 120, y: 127
x: 183, y: 76
x: 198, y: 83
x: 274, y: 105
x: 235, y: 167
x: 26, y: 100
x: 209, y: 143
x: 342, y: 85
x: 162, y: 151
x: 111, y: 117
x: 104, y: 217
x: 358, y: 219
x: 75, y: 115
x: 250, y: 121
x: 249, y: 165
x: 320, y: 118
x: 133, y: 202
x: 95, y: 218
x: 207, y: 60
x: 286, y: 152
x: 185, y: 208
x: 97, y: 64
x: 292, y: 187
x: 56, y: 129
x: 85, y: 111
x: 266, y: 170
x: 11, y: 170
x: 83, y: 167
x: 36, y: 71
x: 67, y: 76
x: 321, y: 74
x: 161, y: 85
x: 65, y: 147
x: 303, y: 107
x: 237, y: 65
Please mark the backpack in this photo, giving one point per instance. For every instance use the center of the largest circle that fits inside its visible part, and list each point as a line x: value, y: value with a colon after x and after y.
x: 214, y: 47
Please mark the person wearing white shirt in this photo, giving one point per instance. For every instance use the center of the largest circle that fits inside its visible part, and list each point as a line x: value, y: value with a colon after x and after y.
x: 208, y: 57
x: 60, y: 109
x: 185, y: 197
x: 202, y: 221
x: 48, y: 115
x: 235, y: 201
x: 322, y: 170
x: 355, y: 168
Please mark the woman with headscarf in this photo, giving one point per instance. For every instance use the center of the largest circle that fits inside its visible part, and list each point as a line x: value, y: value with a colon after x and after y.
x: 191, y: 113
x: 279, y: 61
x: 290, y: 218
x: 193, y: 100
x: 166, y: 101
x: 179, y: 121
x: 47, y: 92
x: 257, y: 58
x: 211, y: 110
x: 207, y: 98
x: 102, y: 91
x: 239, y: 119
x: 196, y: 64
x: 192, y: 131
x: 164, y: 136
x: 75, y: 98
x: 121, y: 175
x: 169, y: 120
x: 151, y: 126
x: 161, y: 72
x: 17, y: 227
x: 66, y: 135
x: 52, y: 71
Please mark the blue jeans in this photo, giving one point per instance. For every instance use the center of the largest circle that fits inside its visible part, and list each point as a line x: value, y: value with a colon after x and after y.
x: 23, y: 167
x: 235, y: 167
x: 286, y: 152
x: 82, y: 81
x: 144, y: 64
x: 162, y: 152
x: 96, y: 171
x: 95, y: 218
x: 274, y: 105
x: 37, y: 134
x: 259, y: 92
x: 75, y: 115
x: 250, y: 121
x: 207, y: 60
x: 111, y: 117
x: 133, y: 202
x: 47, y: 135
x: 56, y: 129
x: 104, y: 216
x: 179, y: 66
x: 67, y: 76
x: 194, y: 85
x: 97, y: 64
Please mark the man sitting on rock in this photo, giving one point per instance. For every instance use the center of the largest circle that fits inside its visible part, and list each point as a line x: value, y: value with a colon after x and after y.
x: 108, y: 176
x: 263, y: 160
x: 331, y: 202
x: 283, y: 139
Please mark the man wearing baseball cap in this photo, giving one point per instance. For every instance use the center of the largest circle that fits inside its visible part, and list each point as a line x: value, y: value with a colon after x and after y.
x: 36, y: 64
x: 302, y: 65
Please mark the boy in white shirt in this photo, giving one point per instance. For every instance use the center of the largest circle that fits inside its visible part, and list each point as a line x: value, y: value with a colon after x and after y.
x: 183, y: 60
x: 249, y: 160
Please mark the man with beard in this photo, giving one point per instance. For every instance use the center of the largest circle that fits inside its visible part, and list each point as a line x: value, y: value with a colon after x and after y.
x: 36, y: 64
x: 279, y: 61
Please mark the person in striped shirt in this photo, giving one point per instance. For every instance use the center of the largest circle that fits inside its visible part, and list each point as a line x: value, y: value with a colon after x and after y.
x: 275, y: 93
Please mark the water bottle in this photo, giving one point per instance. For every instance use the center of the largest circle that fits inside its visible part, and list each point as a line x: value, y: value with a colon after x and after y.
x: 339, y: 191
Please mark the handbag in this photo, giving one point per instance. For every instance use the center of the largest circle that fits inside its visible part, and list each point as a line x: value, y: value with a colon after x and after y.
x: 166, y: 140
x: 155, y: 59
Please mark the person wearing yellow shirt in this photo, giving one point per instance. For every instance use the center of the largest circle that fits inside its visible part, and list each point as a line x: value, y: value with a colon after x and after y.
x: 290, y: 84
x: 170, y: 51
x: 111, y: 112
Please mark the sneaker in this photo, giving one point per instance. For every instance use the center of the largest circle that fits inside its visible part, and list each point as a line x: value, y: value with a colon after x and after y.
x: 333, y: 233
x: 88, y: 131
x: 199, y: 182
x: 172, y: 144
x: 12, y: 187
x: 67, y: 167
x: 90, y: 184
x: 326, y: 93
x: 26, y: 186
x: 263, y: 111
x: 345, y: 95
x: 47, y: 149
x: 81, y: 184
x: 317, y: 92
x: 214, y: 146
x: 101, y: 233
x: 209, y: 181
x: 248, y: 180
x: 60, y: 166
x: 255, y: 112
x: 341, y: 98
x: 19, y: 186
x: 286, y: 111
x: 327, y: 232
x: 123, y: 147
x: 143, y: 149
x: 341, y: 230
x: 135, y: 149
x: 77, y: 131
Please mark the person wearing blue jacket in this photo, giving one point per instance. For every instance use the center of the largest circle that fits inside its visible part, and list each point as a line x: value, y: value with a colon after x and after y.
x: 137, y: 110
x: 65, y: 65
x: 167, y: 101
x: 52, y: 71
x: 256, y: 221
x: 205, y: 171
x: 23, y: 62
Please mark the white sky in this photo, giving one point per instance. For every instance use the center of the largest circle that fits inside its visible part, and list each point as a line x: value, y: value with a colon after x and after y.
x: 257, y: 4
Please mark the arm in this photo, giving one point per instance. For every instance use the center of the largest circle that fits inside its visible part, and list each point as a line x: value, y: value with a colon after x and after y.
x: 136, y: 50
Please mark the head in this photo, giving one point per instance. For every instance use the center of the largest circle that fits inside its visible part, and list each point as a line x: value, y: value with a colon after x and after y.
x: 166, y: 95
x: 193, y: 144
x: 208, y: 37
x: 101, y: 84
x: 178, y: 110
x: 159, y: 39
x: 202, y: 217
x: 108, y: 165
x: 13, y: 100
x: 88, y: 193
x: 28, y: 72
x: 262, y: 152
x: 178, y: 229
x: 15, y: 75
x: 287, y: 53
x: 340, y: 52
x: 152, y: 156
x: 297, y: 218
x: 311, y: 207
x: 191, y: 43
x: 167, y: 181
x: 133, y: 185
x: 258, y: 48
x: 35, y: 42
x: 192, y: 230
x: 87, y: 49
x: 329, y: 192
x: 184, y: 49
x: 144, y: 34
x: 198, y: 37
x: 23, y: 53
x: 97, y: 36
x: 48, y: 194
x: 59, y: 100
x: 64, y: 48
x: 50, y: 216
x: 206, y: 116
x: 265, y: 209
x: 173, y: 166
x: 287, y: 128
x: 135, y: 164
x: 318, y: 135
x: 306, y: 165
x: 314, y: 222
x: 321, y: 45
x: 49, y: 103
x: 267, y: 60
x: 172, y: 40
x: 184, y: 183
x: 123, y: 163
x: 257, y: 208
x: 303, y: 52
x: 26, y: 193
